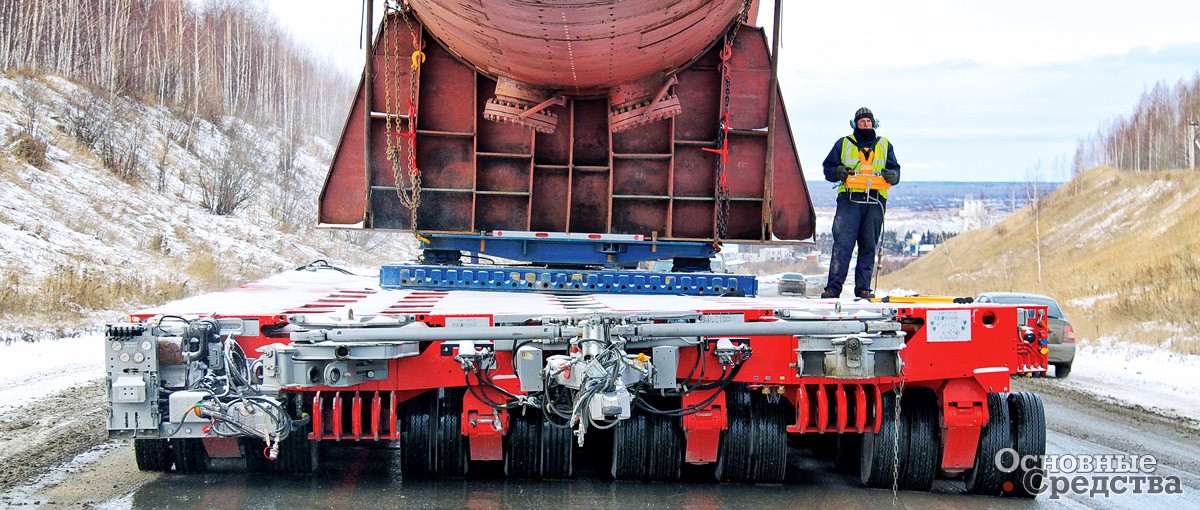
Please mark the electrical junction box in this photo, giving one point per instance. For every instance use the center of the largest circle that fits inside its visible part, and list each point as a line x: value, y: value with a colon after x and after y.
x: 129, y: 390
x: 181, y: 403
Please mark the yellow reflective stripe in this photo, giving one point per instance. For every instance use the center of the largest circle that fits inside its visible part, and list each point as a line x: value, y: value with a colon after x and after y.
x: 881, y: 152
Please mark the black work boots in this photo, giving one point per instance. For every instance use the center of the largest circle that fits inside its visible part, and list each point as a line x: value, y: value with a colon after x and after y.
x: 861, y: 294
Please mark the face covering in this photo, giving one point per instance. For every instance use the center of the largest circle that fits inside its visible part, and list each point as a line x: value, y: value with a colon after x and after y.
x: 864, y: 135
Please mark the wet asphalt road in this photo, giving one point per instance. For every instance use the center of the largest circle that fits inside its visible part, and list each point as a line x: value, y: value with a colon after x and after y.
x: 370, y: 478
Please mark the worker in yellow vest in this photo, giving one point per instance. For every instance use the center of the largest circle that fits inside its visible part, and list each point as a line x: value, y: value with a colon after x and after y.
x: 865, y: 168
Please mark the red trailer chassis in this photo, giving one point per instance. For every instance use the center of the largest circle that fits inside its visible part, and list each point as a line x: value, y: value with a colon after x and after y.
x: 446, y: 412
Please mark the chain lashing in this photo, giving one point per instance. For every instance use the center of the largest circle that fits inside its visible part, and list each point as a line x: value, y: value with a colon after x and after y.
x: 404, y: 170
x: 722, y: 184
x: 896, y: 442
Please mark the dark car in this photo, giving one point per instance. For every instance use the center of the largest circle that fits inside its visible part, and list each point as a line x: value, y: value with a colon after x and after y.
x: 1062, y: 335
x: 792, y: 283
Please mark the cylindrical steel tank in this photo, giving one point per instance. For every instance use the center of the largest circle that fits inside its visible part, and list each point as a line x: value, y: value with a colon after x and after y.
x: 577, y: 45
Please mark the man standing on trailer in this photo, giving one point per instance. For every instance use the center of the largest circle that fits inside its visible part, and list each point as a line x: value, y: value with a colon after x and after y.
x: 858, y: 162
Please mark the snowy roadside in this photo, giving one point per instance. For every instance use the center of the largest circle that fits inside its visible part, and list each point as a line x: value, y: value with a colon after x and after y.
x: 1138, y: 376
x: 34, y: 370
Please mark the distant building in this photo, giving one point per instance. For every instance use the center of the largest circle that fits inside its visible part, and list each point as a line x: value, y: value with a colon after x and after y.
x: 974, y: 214
x: 776, y: 254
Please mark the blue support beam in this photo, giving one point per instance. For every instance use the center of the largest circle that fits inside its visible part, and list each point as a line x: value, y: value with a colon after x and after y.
x: 577, y: 252
x: 564, y: 281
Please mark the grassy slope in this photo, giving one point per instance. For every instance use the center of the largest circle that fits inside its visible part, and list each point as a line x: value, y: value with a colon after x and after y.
x: 1120, y: 251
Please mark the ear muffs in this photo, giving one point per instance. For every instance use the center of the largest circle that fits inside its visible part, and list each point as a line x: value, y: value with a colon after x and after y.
x: 854, y: 125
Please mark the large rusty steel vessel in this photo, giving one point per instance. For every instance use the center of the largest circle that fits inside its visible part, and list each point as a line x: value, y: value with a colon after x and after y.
x: 658, y: 119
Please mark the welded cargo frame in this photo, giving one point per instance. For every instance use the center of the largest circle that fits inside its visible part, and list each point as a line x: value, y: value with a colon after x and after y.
x: 657, y: 180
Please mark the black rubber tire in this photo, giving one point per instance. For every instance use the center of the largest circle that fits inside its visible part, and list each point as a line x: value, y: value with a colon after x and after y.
x: 877, y: 465
x: 417, y: 429
x: 152, y: 454
x: 298, y: 455
x: 770, y: 457
x: 1061, y: 370
x: 523, y: 445
x: 919, y: 467
x: 985, y: 478
x: 665, y: 456
x: 631, y: 440
x: 190, y: 455
x: 848, y: 452
x: 558, y: 448
x: 736, y: 452
x: 252, y: 451
x: 451, y: 448
x: 1029, y: 439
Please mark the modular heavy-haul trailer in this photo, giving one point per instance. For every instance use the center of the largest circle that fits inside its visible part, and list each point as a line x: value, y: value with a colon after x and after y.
x: 577, y: 142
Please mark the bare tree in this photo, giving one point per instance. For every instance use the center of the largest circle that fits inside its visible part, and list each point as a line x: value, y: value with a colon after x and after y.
x: 1033, y: 193
x: 231, y: 181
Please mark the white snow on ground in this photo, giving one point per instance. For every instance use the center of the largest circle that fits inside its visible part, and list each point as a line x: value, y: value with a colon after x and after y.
x: 31, y: 370
x: 75, y: 215
x: 1138, y: 375
x: 1087, y: 302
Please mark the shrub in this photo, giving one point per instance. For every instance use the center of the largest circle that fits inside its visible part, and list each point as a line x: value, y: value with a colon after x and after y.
x: 31, y: 150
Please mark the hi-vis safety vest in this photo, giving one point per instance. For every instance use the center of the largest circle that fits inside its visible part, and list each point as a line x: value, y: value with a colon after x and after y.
x: 864, y: 161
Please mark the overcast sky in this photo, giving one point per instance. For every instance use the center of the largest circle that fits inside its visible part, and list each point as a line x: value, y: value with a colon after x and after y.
x: 965, y: 90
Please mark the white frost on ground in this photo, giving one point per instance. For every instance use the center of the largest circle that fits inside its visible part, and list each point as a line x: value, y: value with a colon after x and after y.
x: 1133, y: 374
x: 1087, y: 302
x: 32, y: 370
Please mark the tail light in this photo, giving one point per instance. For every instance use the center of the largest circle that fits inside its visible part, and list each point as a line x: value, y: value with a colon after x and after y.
x: 1069, y: 335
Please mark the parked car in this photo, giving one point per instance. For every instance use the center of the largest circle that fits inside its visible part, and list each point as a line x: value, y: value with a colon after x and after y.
x: 1062, y: 335
x: 792, y: 283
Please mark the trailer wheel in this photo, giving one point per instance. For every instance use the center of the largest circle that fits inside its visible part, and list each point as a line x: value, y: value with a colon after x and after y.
x: 152, y: 454
x: 557, y: 451
x: 631, y: 438
x: 298, y: 455
x: 1029, y: 438
x: 736, y: 451
x: 770, y: 455
x: 190, y: 455
x: 450, y: 444
x: 666, y: 449
x: 986, y: 478
x: 920, y: 414
x: 522, y: 446
x: 417, y: 426
x: 878, y: 461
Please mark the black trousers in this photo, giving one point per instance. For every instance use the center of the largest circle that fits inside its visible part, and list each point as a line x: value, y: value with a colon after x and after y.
x: 855, y: 222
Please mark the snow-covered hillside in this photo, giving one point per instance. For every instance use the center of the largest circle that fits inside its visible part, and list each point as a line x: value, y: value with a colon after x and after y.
x: 112, y: 238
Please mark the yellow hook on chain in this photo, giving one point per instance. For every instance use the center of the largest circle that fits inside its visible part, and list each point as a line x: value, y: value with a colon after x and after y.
x: 418, y: 57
